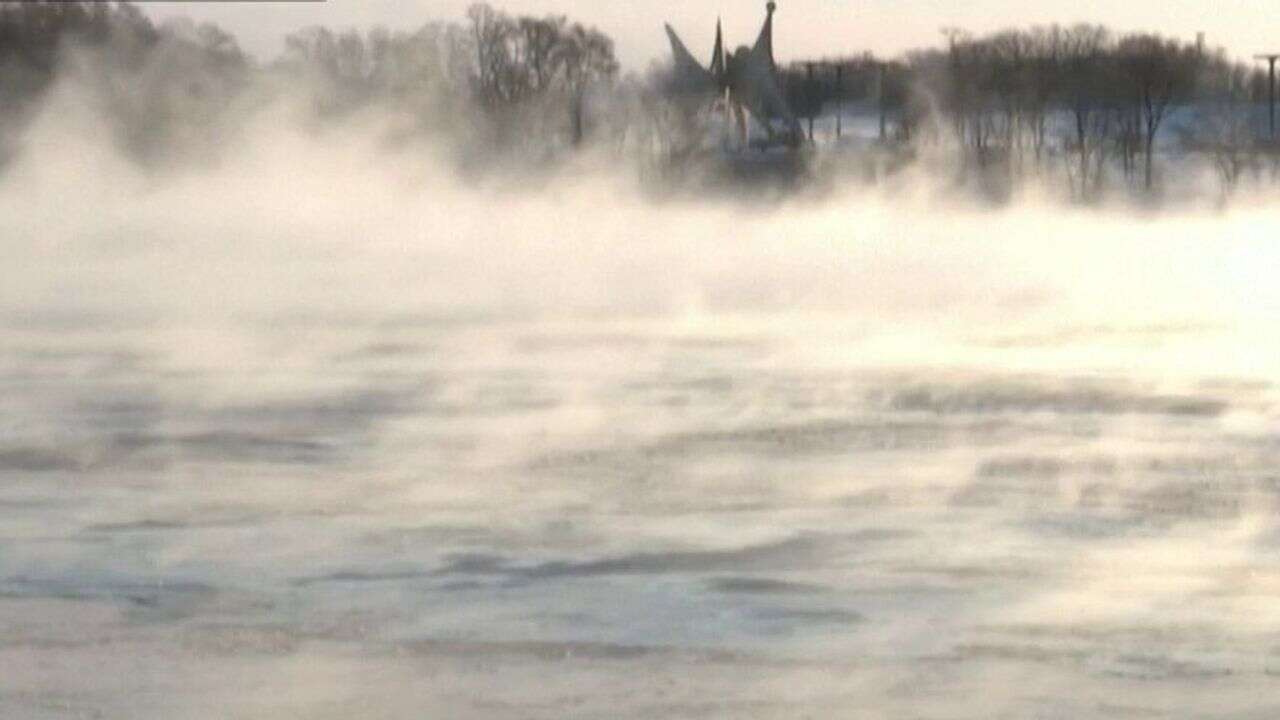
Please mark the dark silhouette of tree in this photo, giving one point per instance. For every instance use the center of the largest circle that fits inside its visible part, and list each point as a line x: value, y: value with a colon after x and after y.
x: 526, y: 63
x: 161, y: 89
x: 34, y: 36
x: 1084, y: 65
x: 588, y: 58
x: 1224, y: 128
x: 1159, y: 73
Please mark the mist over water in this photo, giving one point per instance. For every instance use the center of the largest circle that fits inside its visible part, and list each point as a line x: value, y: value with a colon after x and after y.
x: 320, y: 430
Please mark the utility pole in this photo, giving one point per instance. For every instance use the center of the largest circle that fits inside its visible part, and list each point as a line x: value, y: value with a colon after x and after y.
x: 839, y: 99
x: 881, y: 69
x: 1271, y: 88
x: 813, y: 91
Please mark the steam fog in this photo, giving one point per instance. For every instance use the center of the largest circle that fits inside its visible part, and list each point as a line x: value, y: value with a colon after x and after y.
x: 313, y: 426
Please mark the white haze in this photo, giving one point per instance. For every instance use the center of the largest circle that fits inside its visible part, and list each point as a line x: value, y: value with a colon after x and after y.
x: 322, y: 431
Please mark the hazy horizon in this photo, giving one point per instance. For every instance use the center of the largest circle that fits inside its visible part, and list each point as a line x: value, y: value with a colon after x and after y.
x: 804, y: 28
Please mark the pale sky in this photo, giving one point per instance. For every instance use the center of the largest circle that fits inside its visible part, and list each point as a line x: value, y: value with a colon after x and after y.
x: 804, y: 28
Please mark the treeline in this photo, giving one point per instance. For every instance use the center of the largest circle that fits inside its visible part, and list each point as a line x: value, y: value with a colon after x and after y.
x: 159, y: 88
x: 1078, y: 99
x: 1097, y: 109
x: 515, y: 84
x: 495, y: 84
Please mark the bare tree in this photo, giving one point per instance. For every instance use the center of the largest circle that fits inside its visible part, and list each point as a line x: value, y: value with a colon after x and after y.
x: 1084, y: 68
x: 1223, y: 129
x: 1159, y: 73
x: 588, y: 59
